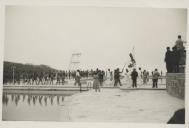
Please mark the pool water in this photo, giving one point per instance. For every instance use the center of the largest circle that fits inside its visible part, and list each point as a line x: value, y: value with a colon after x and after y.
x: 35, y: 105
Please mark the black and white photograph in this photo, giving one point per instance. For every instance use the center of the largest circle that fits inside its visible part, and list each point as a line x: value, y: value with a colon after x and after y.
x: 94, y: 64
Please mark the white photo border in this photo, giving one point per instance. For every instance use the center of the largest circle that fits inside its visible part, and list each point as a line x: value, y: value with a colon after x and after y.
x: 93, y: 3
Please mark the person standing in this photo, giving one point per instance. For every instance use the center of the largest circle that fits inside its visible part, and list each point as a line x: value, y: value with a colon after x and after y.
x: 69, y: 74
x: 34, y: 78
x: 134, y: 76
x: 155, y: 77
x: 176, y: 59
x: 77, y: 78
x: 40, y: 78
x: 161, y: 77
x: 111, y: 75
x: 169, y: 60
x: 63, y: 77
x: 148, y: 75
x: 58, y: 77
x: 117, y: 77
x: 96, y: 82
x: 145, y: 75
x: 108, y: 75
x: 140, y: 76
x: 179, y: 44
x: 101, y: 77
x: 51, y: 77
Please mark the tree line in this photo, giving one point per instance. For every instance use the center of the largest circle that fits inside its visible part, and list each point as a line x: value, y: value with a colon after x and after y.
x: 20, y: 69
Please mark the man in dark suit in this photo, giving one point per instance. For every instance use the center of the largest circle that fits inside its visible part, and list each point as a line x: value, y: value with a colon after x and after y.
x: 176, y: 59
x: 134, y: 76
x: 169, y: 60
x: 117, y: 77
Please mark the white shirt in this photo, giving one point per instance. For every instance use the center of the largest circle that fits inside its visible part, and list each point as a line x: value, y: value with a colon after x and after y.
x: 77, y: 74
x: 108, y: 74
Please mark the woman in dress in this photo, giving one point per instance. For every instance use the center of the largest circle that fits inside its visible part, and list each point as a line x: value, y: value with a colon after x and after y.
x: 96, y: 82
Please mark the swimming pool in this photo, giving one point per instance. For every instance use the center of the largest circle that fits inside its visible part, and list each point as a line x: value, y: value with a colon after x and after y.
x: 35, y: 105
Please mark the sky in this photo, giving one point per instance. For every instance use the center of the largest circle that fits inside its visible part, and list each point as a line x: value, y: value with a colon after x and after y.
x: 103, y: 35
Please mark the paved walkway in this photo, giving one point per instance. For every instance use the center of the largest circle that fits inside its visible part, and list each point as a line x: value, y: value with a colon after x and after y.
x: 115, y: 105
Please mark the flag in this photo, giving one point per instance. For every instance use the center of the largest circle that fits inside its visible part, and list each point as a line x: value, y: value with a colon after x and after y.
x: 132, y: 58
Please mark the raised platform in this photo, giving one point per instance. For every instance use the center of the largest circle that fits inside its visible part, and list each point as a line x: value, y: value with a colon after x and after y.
x: 175, y: 84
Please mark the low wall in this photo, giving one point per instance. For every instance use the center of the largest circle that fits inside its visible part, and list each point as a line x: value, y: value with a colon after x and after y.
x: 175, y: 84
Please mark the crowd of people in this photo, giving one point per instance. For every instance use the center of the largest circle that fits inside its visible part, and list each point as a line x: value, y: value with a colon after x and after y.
x: 176, y: 58
x: 117, y: 76
x: 114, y: 77
x: 47, y: 77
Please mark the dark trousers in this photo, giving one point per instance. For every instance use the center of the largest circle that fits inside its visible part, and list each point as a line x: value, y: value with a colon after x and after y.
x: 155, y: 83
x: 169, y: 67
x: 101, y: 82
x: 77, y: 81
x: 117, y: 81
x: 134, y: 83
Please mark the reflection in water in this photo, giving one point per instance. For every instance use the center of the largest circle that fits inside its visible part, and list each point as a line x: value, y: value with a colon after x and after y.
x: 12, y: 97
x: 23, y: 98
x: 45, y: 100
x: 29, y: 99
x: 34, y: 105
x: 16, y: 100
x: 52, y: 98
x: 40, y: 100
x: 5, y: 99
x: 58, y: 102
x: 32, y: 99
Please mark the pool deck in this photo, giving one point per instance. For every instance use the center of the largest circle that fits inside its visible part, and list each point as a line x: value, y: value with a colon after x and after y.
x: 130, y: 106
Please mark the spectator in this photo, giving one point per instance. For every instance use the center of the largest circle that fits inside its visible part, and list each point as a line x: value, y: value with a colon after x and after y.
x: 176, y: 59
x: 77, y: 78
x: 168, y: 60
x: 134, y: 76
x: 96, y: 83
x: 117, y: 77
x: 179, y: 43
x: 100, y: 77
x: 145, y: 75
x: 155, y: 77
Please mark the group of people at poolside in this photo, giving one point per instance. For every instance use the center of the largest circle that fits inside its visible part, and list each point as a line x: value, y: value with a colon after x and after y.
x: 175, y: 59
x: 116, y: 77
